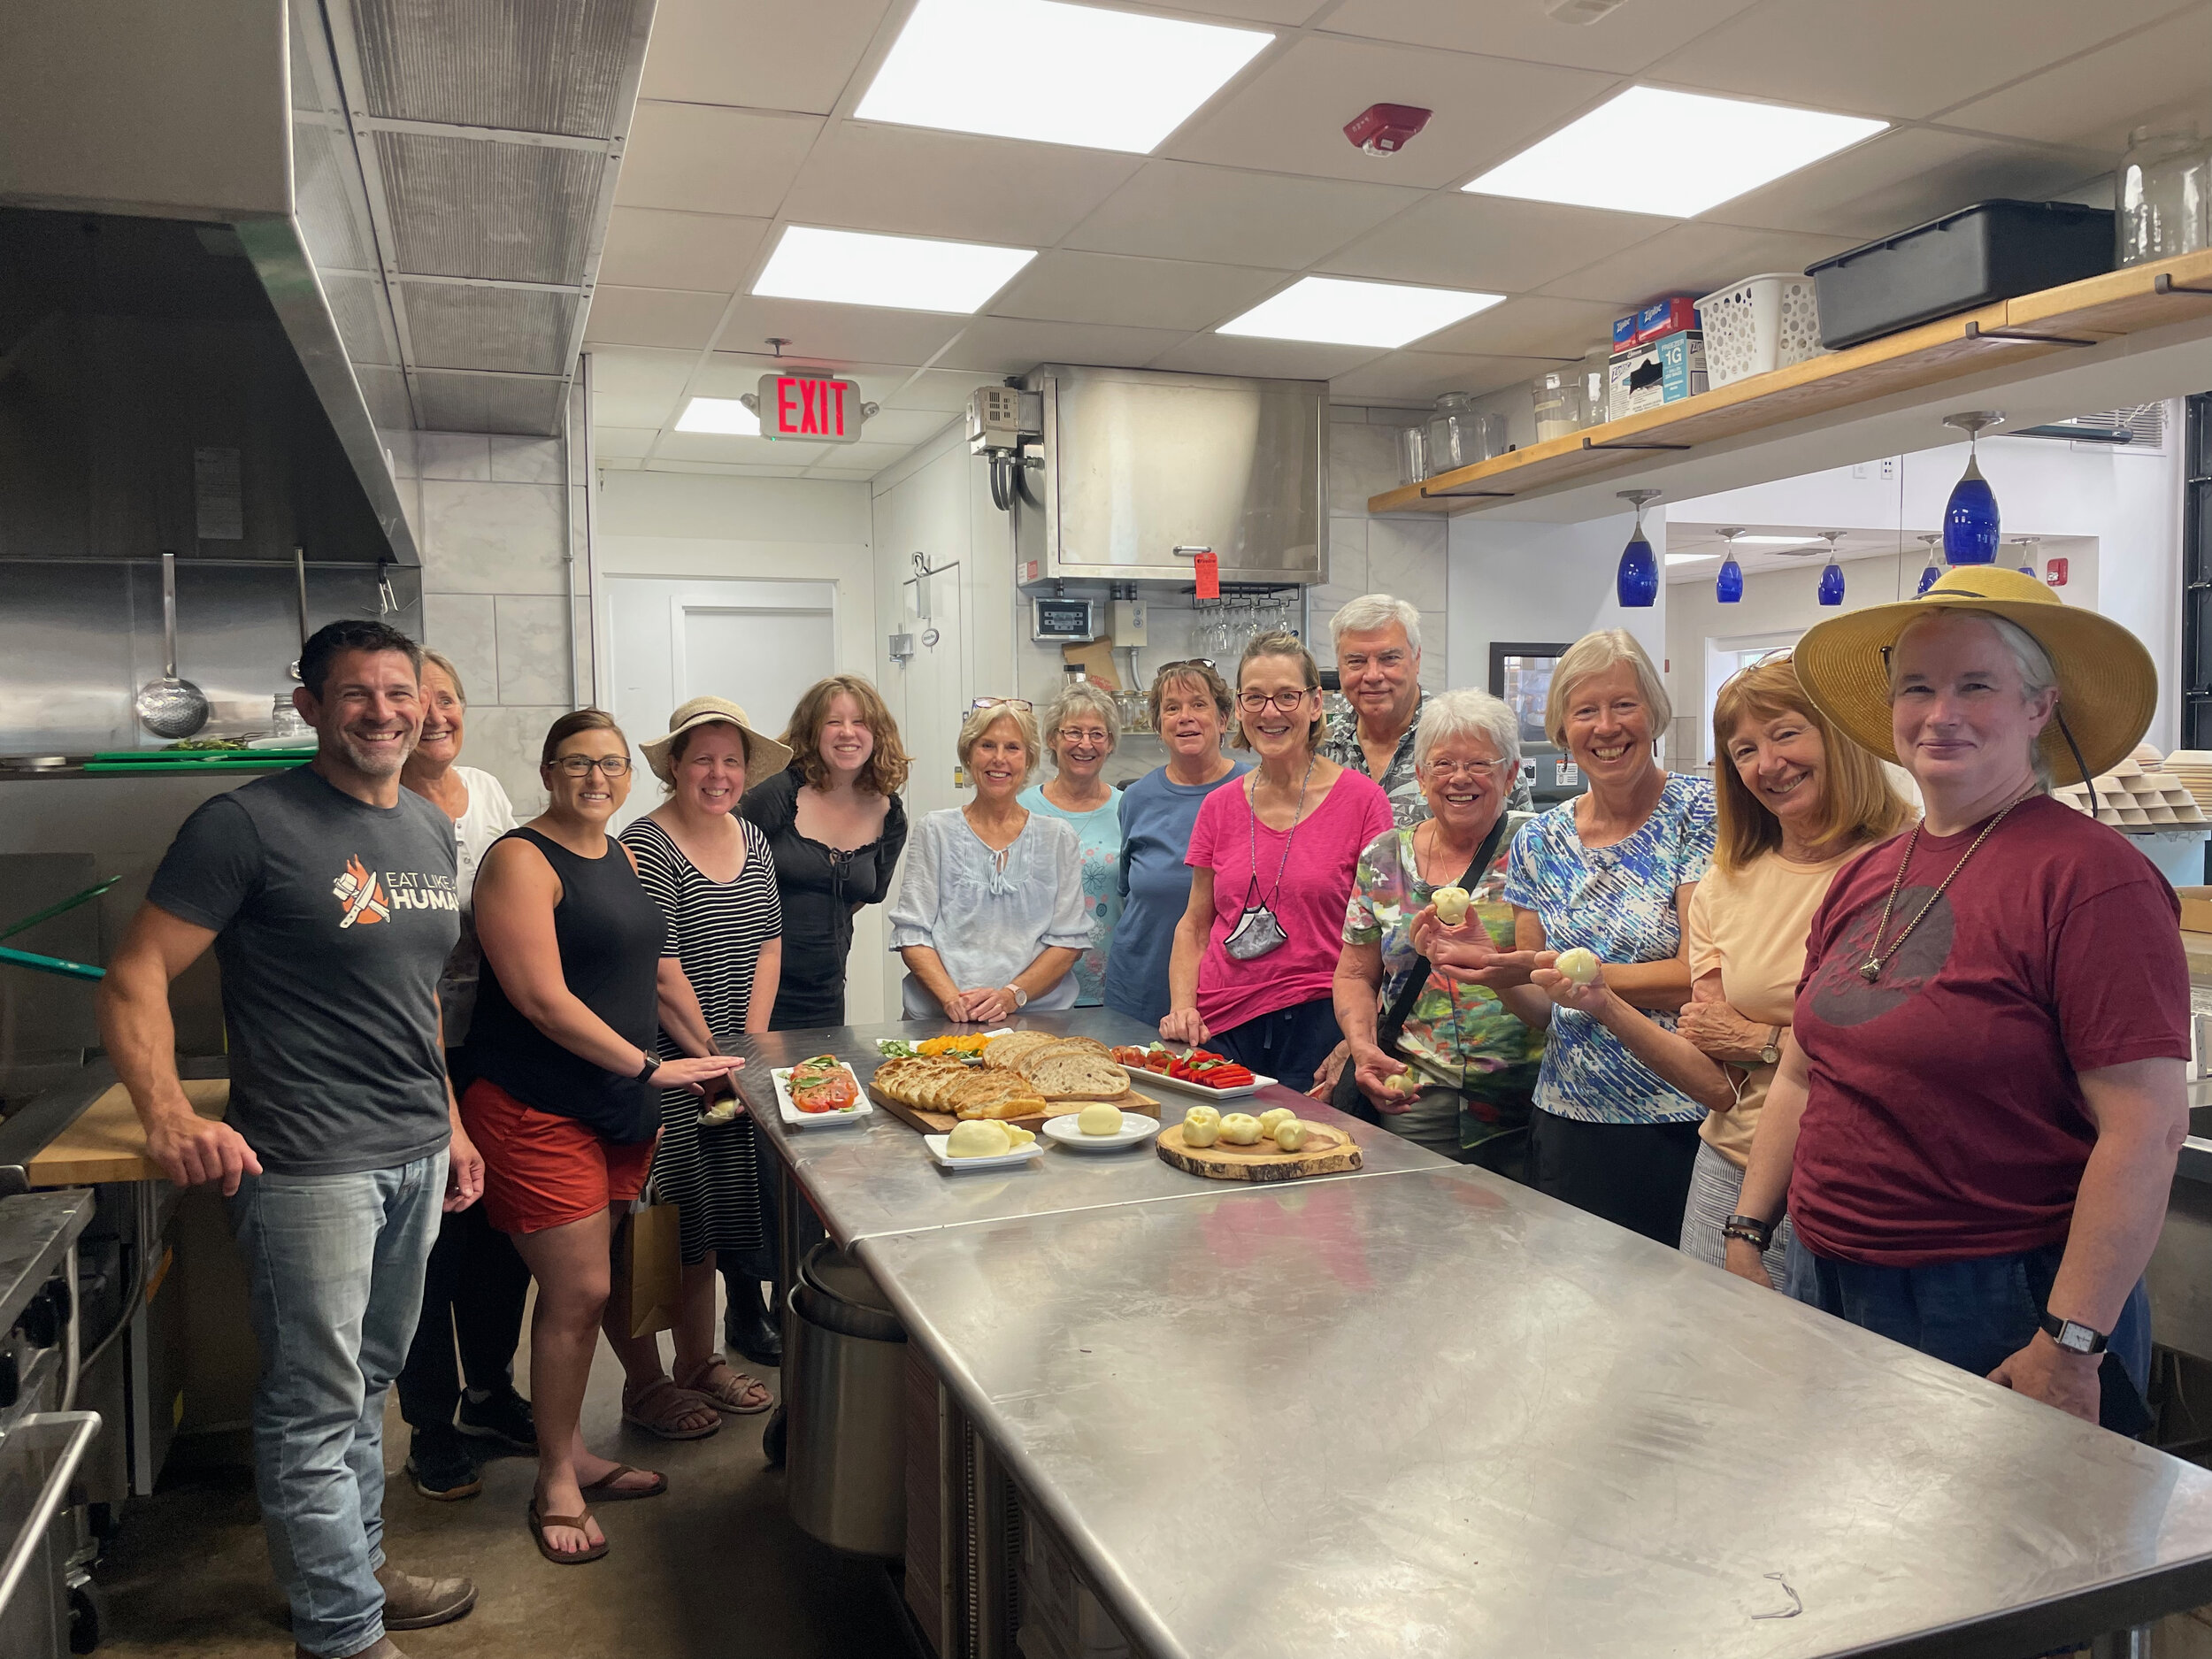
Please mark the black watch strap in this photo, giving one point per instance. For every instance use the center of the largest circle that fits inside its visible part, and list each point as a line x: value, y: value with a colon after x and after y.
x: 652, y: 1064
x: 2073, y: 1336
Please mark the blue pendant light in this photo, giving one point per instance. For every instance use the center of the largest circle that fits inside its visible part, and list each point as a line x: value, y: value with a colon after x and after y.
x: 2024, y: 551
x: 1969, y: 519
x: 1831, y: 575
x: 1636, y: 583
x: 1933, y: 573
x: 1728, y: 585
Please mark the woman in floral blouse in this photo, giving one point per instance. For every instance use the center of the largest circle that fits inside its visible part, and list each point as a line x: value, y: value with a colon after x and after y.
x: 1464, y: 1070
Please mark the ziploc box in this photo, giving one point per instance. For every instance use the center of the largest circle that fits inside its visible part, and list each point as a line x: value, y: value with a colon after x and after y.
x: 1624, y: 332
x: 1648, y: 376
x: 1661, y: 318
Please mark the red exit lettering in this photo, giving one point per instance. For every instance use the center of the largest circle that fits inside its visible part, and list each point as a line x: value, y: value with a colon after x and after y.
x: 809, y: 406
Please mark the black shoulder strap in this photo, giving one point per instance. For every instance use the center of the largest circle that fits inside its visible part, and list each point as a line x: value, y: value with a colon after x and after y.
x: 1401, y: 1009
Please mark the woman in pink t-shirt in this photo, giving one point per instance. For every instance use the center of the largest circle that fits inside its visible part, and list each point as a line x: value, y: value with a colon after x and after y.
x: 1272, y: 861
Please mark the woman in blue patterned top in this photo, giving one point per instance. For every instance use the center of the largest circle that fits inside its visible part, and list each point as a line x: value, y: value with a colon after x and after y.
x: 1082, y: 728
x: 1611, y: 871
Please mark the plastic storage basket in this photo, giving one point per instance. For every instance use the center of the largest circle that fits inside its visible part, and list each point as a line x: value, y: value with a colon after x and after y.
x: 1760, y: 323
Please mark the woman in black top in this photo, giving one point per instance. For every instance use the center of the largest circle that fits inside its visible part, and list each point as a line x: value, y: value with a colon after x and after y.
x: 836, y: 827
x: 579, y: 976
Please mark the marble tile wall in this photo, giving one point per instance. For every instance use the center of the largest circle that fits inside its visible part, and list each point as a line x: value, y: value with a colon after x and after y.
x: 493, y: 515
x: 1401, y: 556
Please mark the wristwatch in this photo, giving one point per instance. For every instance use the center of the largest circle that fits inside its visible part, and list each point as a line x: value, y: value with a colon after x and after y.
x: 652, y: 1064
x: 1771, y: 1054
x: 1021, y: 998
x: 2073, y: 1337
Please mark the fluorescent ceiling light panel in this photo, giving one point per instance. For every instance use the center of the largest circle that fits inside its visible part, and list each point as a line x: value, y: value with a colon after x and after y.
x: 723, y: 415
x: 1690, y: 559
x: 910, y: 273
x: 1335, y: 312
x: 1058, y: 74
x: 1651, y: 151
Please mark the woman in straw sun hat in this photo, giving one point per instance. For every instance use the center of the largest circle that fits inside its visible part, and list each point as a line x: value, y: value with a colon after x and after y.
x: 1979, y: 1105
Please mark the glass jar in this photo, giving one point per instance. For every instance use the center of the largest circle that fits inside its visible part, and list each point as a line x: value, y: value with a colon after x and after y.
x: 2160, y: 194
x: 1559, y: 410
x: 1413, y: 454
x: 1460, y: 434
x: 1595, y: 374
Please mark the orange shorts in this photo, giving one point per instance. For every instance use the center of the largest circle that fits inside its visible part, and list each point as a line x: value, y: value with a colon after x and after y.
x: 542, y: 1170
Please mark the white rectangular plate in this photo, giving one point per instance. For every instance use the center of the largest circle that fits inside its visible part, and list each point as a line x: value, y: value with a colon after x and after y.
x: 961, y: 1166
x: 798, y: 1120
x: 1139, y: 1076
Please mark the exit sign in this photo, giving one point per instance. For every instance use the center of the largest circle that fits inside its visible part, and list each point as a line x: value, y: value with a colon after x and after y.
x: 814, y: 407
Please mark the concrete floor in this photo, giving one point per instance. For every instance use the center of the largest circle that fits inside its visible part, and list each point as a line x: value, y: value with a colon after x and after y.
x: 713, y: 1568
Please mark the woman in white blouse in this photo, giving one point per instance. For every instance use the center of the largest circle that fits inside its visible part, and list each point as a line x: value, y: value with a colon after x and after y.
x: 990, y: 916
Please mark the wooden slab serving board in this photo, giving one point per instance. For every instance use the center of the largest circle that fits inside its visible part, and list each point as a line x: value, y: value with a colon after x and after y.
x: 941, y: 1123
x: 1326, y: 1152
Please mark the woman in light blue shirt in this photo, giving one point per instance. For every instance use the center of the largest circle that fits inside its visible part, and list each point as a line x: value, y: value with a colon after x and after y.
x: 989, y: 918
x: 1082, y: 728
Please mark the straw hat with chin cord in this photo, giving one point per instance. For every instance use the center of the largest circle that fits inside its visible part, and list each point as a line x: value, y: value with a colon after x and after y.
x: 764, y: 757
x: 2107, y: 687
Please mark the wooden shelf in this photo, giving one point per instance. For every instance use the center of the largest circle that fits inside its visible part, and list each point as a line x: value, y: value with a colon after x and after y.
x: 2054, y: 322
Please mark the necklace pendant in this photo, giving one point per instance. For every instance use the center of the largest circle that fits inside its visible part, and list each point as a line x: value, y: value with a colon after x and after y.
x: 1869, y: 971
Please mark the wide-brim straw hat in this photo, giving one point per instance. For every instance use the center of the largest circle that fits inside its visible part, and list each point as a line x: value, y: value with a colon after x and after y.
x: 764, y: 757
x: 2107, y: 686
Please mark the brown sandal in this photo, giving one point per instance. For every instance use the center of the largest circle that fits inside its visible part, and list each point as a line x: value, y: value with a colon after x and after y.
x: 733, y: 1393
x: 604, y: 1490
x: 580, y: 1523
x: 661, y: 1407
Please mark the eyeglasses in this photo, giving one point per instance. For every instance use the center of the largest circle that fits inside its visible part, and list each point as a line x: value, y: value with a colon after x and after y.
x: 1473, y: 768
x: 583, y: 765
x: 1257, y: 702
x: 1165, y: 668
x: 1089, y: 734
x: 1023, y: 704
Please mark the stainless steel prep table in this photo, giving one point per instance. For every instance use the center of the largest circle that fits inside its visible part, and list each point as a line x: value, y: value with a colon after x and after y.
x: 876, y: 1177
x: 1440, y: 1415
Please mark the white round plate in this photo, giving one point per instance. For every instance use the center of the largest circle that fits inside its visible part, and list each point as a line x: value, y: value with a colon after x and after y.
x: 1136, y: 1129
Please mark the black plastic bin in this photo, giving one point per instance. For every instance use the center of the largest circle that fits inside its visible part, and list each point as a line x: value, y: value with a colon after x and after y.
x: 1993, y: 250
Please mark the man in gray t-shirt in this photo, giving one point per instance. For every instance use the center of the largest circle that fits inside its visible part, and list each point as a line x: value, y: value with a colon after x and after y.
x: 327, y: 894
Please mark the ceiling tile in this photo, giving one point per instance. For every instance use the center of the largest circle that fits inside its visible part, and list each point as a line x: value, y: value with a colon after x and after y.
x: 944, y: 390
x: 863, y: 176
x: 1494, y: 242
x: 652, y: 317
x: 905, y: 428
x: 2095, y: 99
x: 1175, y: 209
x: 713, y: 445
x: 841, y: 333
x: 634, y: 386
x: 1271, y: 359
x: 700, y: 159
x: 864, y: 457
x: 652, y: 247
x: 1626, y: 42
x: 612, y: 442
x: 1418, y: 376
x: 616, y: 408
x: 724, y: 469
x: 1695, y: 257
x: 1896, y: 57
x: 763, y: 54
x: 1010, y: 345
x: 1289, y: 117
x: 1099, y: 288
x: 1905, y: 178
x: 1292, y: 12
x: 1530, y: 326
x: 620, y: 463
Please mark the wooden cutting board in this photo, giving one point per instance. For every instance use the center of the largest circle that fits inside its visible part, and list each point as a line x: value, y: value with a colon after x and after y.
x: 1326, y: 1152
x: 941, y: 1123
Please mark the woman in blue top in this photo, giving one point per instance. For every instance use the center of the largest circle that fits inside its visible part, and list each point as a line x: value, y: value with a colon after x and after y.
x: 1082, y: 728
x: 1610, y: 872
x: 1191, y: 707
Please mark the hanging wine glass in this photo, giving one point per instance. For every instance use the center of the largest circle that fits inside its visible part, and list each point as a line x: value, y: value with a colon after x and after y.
x: 1933, y: 572
x: 1728, y: 585
x: 1636, y: 583
x: 2024, y: 551
x: 1969, y: 519
x: 1831, y: 573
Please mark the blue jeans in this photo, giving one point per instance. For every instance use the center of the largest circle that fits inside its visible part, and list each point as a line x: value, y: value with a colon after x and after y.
x: 333, y: 1272
x: 1287, y: 1044
x: 1976, y: 1314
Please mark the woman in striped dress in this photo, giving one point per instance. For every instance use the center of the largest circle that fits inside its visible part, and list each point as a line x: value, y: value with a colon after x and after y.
x: 712, y: 873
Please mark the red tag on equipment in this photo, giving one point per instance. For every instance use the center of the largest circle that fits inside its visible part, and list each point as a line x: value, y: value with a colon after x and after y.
x: 1208, y: 569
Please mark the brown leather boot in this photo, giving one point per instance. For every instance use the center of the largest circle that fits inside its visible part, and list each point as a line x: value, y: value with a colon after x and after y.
x: 414, y: 1603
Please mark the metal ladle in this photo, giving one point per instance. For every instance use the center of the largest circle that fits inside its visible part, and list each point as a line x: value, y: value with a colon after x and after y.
x: 170, y: 707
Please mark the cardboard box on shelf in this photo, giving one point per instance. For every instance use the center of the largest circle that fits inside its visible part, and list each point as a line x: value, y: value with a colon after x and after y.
x: 1676, y: 314
x: 1648, y: 376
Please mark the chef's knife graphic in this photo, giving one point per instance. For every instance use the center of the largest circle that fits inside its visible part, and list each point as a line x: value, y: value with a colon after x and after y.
x: 361, y: 896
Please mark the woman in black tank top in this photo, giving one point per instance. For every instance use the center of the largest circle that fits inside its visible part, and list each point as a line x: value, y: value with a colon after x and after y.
x: 564, y: 1104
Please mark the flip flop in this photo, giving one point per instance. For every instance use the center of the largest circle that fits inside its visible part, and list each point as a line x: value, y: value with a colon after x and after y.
x: 558, y: 1557
x: 667, y: 1404
x: 604, y: 1491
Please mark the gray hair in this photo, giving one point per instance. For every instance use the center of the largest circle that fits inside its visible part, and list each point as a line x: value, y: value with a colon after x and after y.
x: 441, y: 660
x: 1370, y: 613
x: 1080, y: 696
x: 1467, y: 713
x: 2038, y: 675
x: 1594, y: 653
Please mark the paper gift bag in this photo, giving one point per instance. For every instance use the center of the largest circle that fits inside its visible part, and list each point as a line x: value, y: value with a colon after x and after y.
x: 648, y: 1269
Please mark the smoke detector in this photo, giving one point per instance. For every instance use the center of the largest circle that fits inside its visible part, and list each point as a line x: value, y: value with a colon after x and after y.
x: 1582, y: 11
x: 1382, y: 129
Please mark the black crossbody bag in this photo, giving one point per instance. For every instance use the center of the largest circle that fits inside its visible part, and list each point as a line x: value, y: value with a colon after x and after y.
x: 1348, y: 1097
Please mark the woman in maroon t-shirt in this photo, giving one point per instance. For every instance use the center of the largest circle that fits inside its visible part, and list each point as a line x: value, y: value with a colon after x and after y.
x: 1984, y: 1090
